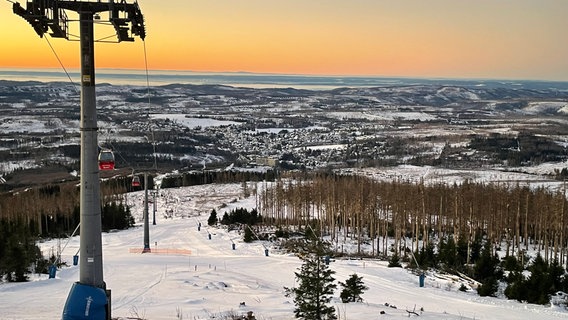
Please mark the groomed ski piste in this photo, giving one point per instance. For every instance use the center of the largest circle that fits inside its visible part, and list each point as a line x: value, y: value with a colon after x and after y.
x: 216, y: 281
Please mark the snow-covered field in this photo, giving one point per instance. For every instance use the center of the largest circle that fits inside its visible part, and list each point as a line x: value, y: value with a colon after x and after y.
x: 214, y: 279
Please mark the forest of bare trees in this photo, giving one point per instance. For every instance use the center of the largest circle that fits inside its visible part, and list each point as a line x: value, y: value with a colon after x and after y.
x: 416, y: 214
x: 367, y: 210
x: 49, y: 211
x: 53, y: 209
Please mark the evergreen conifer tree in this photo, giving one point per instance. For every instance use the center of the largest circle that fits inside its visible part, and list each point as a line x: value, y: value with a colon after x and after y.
x: 425, y: 257
x: 225, y: 220
x: 461, y: 254
x: 476, y: 247
x: 249, y: 235
x: 543, y: 281
x: 19, y: 251
x: 315, y: 286
x: 448, y: 253
x: 353, y: 288
x: 487, y: 271
x: 517, y: 286
x: 212, y: 218
x: 394, y: 262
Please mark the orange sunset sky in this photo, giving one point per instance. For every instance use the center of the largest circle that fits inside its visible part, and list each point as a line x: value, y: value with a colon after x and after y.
x: 502, y: 39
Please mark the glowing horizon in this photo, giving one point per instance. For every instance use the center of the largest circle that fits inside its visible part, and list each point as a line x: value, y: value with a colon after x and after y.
x: 521, y: 39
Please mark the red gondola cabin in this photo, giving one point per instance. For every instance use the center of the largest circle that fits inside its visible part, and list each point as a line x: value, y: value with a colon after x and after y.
x: 135, y: 181
x: 106, y: 160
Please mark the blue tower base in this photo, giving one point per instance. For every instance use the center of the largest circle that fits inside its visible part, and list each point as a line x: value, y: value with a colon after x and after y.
x: 85, y: 302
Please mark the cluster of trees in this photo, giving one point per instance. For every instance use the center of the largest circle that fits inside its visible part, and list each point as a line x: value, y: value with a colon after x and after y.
x: 458, y: 228
x: 451, y: 256
x: 18, y: 251
x: 47, y: 212
x: 542, y: 281
x: 521, y: 149
x: 193, y: 178
x: 241, y: 215
x: 53, y: 210
x: 316, y: 285
x: 238, y: 216
x: 116, y: 216
x: 49, y: 209
x: 527, y: 280
x: 146, y: 155
x: 372, y: 211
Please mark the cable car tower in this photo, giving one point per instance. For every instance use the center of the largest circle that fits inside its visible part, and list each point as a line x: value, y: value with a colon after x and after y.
x: 89, y: 297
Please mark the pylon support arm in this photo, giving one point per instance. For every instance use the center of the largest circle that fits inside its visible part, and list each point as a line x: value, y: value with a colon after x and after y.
x: 45, y: 15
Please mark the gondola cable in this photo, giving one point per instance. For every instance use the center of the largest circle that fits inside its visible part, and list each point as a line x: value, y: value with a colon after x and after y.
x: 106, y: 156
x: 127, y: 164
x: 149, y: 102
x: 61, y: 64
x: 108, y: 152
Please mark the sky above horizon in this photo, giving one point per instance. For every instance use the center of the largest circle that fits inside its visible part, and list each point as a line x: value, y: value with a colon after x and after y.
x: 487, y: 39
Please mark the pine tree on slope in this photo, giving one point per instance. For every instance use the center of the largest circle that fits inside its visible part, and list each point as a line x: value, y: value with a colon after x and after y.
x: 212, y: 218
x: 315, y: 286
x: 353, y: 288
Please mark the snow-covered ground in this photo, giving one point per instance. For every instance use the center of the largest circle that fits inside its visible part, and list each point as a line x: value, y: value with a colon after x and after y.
x: 214, y: 279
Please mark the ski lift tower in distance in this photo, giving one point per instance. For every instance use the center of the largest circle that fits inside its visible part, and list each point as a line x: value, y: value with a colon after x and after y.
x: 88, y: 298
